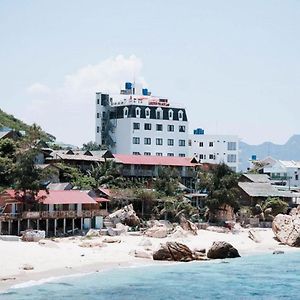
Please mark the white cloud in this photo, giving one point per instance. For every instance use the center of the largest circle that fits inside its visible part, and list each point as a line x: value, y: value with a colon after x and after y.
x: 68, y: 111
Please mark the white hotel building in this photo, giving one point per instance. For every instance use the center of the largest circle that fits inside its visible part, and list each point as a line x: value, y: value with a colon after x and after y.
x: 134, y: 122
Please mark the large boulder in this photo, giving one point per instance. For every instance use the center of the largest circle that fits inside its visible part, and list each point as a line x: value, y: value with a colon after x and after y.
x: 188, y: 225
x: 173, y: 251
x: 287, y: 227
x: 33, y: 235
x: 222, y: 250
x: 157, y: 231
x: 222, y: 214
x: 126, y: 216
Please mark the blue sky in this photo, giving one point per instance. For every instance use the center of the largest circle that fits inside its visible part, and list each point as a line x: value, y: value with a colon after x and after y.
x: 234, y: 64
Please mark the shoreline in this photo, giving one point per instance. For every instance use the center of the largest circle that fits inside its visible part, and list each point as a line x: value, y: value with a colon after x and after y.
x: 64, y: 258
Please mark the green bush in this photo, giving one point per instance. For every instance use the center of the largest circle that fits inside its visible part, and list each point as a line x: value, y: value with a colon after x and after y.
x: 278, y: 206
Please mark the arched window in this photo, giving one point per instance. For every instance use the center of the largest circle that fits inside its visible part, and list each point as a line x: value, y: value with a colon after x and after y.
x: 138, y: 112
x: 170, y: 114
x: 125, y: 112
x: 147, y: 112
x: 180, y: 115
x: 159, y: 113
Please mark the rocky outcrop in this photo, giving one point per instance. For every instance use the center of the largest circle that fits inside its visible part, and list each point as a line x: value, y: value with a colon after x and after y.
x: 254, y: 236
x: 287, y: 228
x: 173, y: 251
x: 93, y: 233
x: 157, y: 231
x: 33, y: 235
x: 126, y: 216
x: 188, y: 225
x: 224, y: 213
x: 222, y: 250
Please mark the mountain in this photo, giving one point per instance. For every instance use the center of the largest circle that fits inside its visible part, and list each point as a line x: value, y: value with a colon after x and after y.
x: 10, y: 121
x: 288, y: 151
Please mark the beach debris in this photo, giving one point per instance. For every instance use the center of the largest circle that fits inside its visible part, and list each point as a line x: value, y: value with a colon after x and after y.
x: 157, y: 231
x: 27, y: 267
x: 218, y: 229
x: 278, y: 252
x: 91, y: 244
x: 48, y: 243
x: 254, y: 236
x: 126, y: 216
x: 145, y: 243
x: 111, y: 240
x: 8, y: 278
x: 174, y: 251
x: 222, y: 250
x: 287, y: 227
x: 31, y: 235
x: 188, y: 225
x: 93, y: 233
x: 140, y: 254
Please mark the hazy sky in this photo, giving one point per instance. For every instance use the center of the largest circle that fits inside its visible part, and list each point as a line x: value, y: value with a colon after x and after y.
x: 234, y: 64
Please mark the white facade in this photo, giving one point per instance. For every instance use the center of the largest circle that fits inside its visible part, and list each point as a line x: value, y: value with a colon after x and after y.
x: 134, y: 122
x: 215, y: 149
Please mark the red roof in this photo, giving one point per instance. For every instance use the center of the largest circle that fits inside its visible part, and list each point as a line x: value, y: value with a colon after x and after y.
x: 154, y: 160
x: 105, y: 191
x: 101, y: 199
x: 62, y: 197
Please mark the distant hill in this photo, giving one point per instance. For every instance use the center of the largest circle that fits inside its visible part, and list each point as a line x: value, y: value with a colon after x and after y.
x: 12, y: 122
x: 289, y: 151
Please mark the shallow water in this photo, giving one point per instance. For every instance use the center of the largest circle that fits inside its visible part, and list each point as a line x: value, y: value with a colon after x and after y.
x: 252, y: 277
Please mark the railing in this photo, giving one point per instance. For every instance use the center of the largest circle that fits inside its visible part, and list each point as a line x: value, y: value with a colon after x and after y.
x: 54, y: 214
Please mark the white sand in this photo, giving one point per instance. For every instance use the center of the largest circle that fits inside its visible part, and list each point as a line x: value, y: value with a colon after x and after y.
x: 65, y: 257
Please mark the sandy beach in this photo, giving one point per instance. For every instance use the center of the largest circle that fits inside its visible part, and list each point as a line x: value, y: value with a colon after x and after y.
x: 65, y: 256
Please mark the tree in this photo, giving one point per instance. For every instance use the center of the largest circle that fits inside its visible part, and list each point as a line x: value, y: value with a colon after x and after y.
x: 167, y: 181
x: 276, y: 205
x: 221, y: 185
x: 91, y: 146
x: 7, y: 148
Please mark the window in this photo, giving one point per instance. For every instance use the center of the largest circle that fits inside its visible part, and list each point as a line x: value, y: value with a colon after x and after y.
x: 98, y: 129
x: 159, y: 113
x: 159, y: 127
x: 210, y: 144
x: 296, y: 177
x: 231, y: 158
x: 147, y: 153
x: 211, y: 156
x: 170, y: 142
x: 137, y: 112
x: 181, y: 155
x: 231, y: 146
x: 159, y: 141
x: 170, y: 154
x: 147, y: 141
x: 201, y: 156
x: 200, y: 144
x: 125, y: 112
x: 136, y: 153
x: 135, y: 140
x: 98, y: 101
x: 159, y: 154
x: 190, y: 143
x: 147, y: 112
x: 98, y: 115
x: 170, y: 127
x: 136, y: 126
x: 181, y: 143
x: 170, y: 114
x: 147, y: 126
x: 180, y: 115
x: 181, y: 128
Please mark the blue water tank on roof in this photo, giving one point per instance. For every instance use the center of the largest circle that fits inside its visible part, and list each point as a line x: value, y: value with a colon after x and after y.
x: 145, y: 92
x: 199, y: 131
x: 128, y: 85
x: 253, y: 157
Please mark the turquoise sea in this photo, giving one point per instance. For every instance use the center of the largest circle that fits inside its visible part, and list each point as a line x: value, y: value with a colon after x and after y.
x: 252, y: 277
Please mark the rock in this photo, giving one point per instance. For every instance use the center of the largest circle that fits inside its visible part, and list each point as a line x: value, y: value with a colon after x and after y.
x: 218, y: 229
x: 9, y: 238
x: 33, y: 235
x: 222, y: 214
x: 126, y: 216
x: 145, y: 243
x: 278, y: 252
x: 27, y: 267
x: 254, y: 235
x: 91, y: 244
x: 188, y: 225
x: 111, y: 240
x: 112, y: 232
x: 123, y: 229
x: 173, y: 251
x: 180, y: 233
x: 93, y: 233
x: 141, y: 254
x: 287, y: 228
x: 222, y: 250
x: 157, y: 231
x: 48, y: 243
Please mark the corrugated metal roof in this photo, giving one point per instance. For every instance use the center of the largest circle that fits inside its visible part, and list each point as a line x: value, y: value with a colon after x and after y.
x: 259, y: 178
x: 255, y: 189
x: 63, y: 186
x: 154, y: 160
